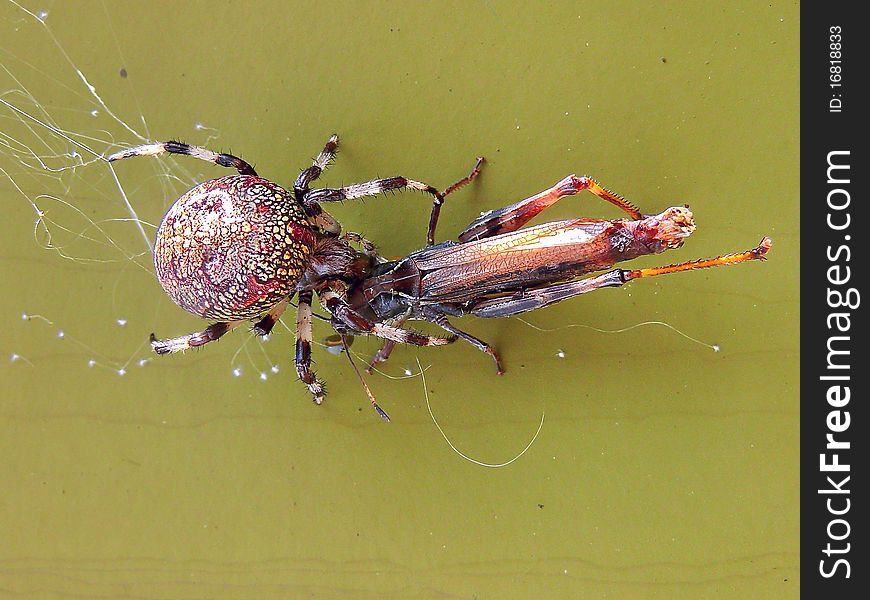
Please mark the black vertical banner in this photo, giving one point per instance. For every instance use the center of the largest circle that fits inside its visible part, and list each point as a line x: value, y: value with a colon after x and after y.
x: 834, y: 370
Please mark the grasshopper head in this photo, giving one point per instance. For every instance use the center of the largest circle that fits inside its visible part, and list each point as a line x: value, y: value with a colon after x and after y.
x: 668, y: 229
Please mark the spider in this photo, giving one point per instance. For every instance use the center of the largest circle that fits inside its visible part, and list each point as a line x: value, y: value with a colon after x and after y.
x: 238, y: 248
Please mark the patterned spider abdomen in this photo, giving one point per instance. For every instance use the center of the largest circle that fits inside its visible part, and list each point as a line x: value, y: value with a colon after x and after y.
x: 232, y: 247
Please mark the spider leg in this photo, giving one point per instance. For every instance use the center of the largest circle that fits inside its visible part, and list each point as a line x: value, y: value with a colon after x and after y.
x: 173, y: 147
x: 368, y: 246
x: 193, y: 340
x: 360, y: 325
x: 384, y: 352
x: 267, y: 322
x: 535, y: 298
x: 303, y: 348
x: 321, y: 161
x: 510, y: 218
x: 369, y: 188
x: 312, y: 198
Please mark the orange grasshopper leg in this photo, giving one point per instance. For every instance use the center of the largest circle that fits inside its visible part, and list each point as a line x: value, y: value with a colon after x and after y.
x: 756, y: 253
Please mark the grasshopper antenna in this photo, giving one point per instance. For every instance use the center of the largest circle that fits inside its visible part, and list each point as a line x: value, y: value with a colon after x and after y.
x: 371, y: 396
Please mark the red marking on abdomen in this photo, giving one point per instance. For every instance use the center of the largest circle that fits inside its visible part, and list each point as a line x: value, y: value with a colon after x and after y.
x: 302, y: 233
x: 256, y: 291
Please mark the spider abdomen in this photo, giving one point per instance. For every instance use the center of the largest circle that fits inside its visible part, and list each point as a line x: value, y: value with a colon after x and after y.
x: 232, y: 247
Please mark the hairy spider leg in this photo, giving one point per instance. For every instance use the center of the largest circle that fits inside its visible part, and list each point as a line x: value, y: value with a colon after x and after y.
x: 319, y: 217
x: 368, y: 246
x: 303, y: 348
x: 193, y: 340
x: 510, y: 218
x: 215, y: 331
x: 535, y: 298
x: 384, y: 351
x: 321, y: 161
x: 174, y: 147
x: 311, y: 198
x: 267, y: 322
x: 369, y: 188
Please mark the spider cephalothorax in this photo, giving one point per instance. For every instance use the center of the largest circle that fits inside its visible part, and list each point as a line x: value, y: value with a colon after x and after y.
x: 233, y: 247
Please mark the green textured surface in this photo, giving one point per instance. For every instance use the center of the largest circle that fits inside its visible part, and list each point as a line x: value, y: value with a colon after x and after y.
x: 663, y: 469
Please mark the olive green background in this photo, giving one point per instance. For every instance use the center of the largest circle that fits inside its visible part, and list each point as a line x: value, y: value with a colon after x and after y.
x: 663, y: 469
